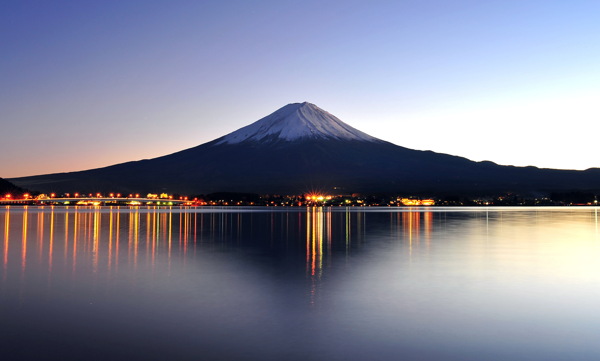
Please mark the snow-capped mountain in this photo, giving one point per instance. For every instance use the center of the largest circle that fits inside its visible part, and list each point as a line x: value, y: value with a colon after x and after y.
x: 296, y: 122
x: 300, y: 148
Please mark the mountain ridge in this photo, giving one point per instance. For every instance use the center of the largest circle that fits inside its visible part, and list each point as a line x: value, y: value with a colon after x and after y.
x: 301, y: 148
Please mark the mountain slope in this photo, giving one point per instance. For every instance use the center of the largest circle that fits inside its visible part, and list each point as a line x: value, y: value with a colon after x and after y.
x: 300, y: 148
x: 7, y: 187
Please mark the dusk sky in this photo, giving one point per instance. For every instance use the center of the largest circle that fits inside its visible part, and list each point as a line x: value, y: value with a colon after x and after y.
x: 85, y: 84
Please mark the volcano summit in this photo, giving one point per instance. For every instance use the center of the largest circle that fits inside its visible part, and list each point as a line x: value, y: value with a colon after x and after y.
x: 301, y: 148
x: 296, y: 122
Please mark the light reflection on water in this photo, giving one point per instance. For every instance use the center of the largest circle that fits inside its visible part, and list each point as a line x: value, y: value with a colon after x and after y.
x: 309, y: 284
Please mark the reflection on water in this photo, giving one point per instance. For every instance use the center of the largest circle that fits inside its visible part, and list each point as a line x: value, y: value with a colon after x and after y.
x: 306, y: 284
x: 97, y: 240
x: 95, y: 237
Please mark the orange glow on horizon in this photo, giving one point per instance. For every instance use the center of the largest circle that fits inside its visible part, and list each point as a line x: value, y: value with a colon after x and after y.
x: 315, y: 197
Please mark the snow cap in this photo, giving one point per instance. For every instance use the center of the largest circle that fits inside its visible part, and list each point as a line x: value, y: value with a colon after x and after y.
x: 295, y: 122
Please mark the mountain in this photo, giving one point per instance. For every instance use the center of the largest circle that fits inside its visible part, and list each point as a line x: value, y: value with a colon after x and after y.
x: 7, y: 187
x: 301, y: 148
x: 296, y: 122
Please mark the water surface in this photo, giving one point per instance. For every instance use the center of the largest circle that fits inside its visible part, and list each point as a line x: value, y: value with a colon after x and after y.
x: 300, y: 284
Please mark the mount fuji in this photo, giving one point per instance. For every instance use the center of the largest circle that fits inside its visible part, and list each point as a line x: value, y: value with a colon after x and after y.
x: 301, y: 148
x: 296, y: 122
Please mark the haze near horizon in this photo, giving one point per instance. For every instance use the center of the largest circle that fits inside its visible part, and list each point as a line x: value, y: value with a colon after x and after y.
x: 95, y: 84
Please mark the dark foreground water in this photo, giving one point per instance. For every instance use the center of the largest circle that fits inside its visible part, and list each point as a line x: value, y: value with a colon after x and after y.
x: 300, y: 284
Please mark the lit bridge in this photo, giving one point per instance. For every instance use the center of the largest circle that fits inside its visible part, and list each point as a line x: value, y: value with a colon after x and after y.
x: 97, y: 201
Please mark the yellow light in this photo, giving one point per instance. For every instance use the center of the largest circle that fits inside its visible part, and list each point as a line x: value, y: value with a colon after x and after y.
x: 416, y: 202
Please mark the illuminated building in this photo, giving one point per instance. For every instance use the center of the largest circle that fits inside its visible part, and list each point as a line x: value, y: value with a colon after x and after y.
x: 416, y: 202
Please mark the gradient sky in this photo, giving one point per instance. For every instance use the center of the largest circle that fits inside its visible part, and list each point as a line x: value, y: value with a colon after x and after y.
x: 85, y: 84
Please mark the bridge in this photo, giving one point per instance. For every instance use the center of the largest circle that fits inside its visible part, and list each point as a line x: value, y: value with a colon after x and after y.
x: 97, y: 201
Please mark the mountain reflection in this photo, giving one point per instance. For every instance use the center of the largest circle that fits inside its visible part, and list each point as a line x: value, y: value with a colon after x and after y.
x: 280, y: 283
x: 100, y: 240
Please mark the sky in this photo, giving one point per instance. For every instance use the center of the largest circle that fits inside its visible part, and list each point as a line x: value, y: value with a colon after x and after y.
x: 86, y: 84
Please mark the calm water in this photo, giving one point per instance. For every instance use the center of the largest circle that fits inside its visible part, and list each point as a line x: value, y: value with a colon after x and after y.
x: 300, y: 284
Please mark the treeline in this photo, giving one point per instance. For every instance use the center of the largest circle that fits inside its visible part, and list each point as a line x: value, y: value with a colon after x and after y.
x: 574, y: 197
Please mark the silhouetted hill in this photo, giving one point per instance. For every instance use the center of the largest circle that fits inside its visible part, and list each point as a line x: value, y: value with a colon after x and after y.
x: 8, y: 187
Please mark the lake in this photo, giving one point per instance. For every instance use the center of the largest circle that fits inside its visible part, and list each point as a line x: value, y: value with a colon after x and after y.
x: 276, y: 283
